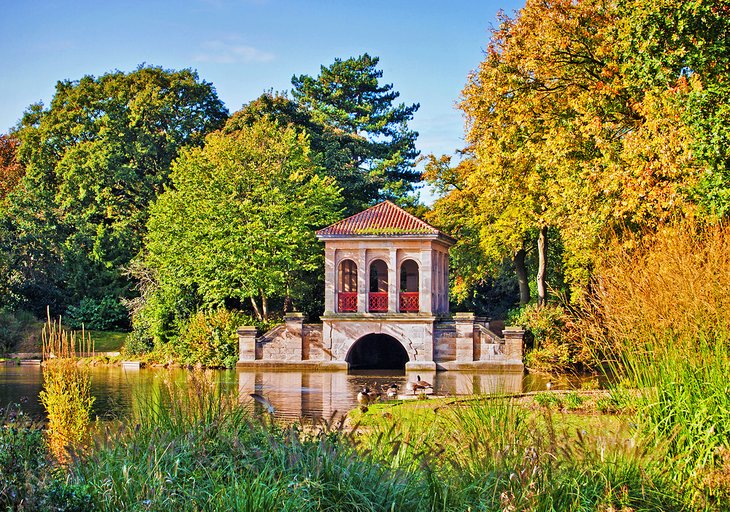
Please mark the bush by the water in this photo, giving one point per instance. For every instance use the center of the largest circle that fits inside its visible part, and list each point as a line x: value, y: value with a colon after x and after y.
x: 23, y: 460
x: 15, y: 326
x: 209, y: 339
x: 102, y: 314
x: 555, y: 344
x: 66, y: 393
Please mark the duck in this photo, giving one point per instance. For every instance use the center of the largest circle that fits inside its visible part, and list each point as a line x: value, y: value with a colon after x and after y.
x: 392, y: 391
x: 549, y: 385
x: 366, y: 396
x: 418, y: 385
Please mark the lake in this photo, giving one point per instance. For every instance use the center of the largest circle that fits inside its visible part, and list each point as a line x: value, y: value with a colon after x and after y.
x: 294, y: 394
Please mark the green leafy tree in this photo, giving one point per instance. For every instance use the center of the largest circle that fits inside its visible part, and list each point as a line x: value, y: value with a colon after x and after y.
x: 238, y: 224
x: 329, y: 147
x: 94, y: 160
x: 359, y: 116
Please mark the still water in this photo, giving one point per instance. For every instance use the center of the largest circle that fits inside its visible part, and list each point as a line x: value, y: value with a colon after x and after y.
x: 294, y: 394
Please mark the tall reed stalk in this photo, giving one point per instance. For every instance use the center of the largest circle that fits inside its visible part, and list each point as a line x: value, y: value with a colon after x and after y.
x: 66, y: 393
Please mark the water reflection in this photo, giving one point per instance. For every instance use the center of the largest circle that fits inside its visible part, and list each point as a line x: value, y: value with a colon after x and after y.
x: 294, y: 394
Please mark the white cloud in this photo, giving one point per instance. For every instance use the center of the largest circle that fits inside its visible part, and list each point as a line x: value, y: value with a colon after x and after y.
x: 231, y: 51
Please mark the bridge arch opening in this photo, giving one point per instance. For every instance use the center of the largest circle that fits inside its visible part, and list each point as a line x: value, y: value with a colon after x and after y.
x: 377, y: 352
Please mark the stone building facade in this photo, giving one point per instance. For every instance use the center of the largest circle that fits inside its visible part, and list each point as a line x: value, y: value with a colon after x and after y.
x: 386, y: 306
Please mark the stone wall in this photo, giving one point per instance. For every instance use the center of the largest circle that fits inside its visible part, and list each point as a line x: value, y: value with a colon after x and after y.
x: 459, y: 342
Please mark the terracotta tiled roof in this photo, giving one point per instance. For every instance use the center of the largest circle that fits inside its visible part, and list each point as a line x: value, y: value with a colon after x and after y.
x: 383, y: 219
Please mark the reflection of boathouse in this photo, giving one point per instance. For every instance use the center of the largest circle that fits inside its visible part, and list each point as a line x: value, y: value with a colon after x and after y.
x: 386, y: 305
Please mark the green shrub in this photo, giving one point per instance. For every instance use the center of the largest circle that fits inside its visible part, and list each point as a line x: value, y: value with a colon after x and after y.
x: 209, y: 339
x: 14, y: 326
x: 556, y: 343
x: 22, y: 457
x: 102, y: 314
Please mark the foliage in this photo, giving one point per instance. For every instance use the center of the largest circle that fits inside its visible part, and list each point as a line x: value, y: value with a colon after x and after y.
x: 357, y: 135
x: 94, y: 160
x: 101, y: 314
x: 66, y: 393
x: 573, y: 400
x: 548, y: 400
x: 589, y: 118
x: 239, y: 224
x: 682, y: 49
x: 210, y: 339
x: 11, y: 171
x: 22, y: 457
x: 665, y: 333
x: 348, y: 99
x: 557, y: 343
x: 14, y: 328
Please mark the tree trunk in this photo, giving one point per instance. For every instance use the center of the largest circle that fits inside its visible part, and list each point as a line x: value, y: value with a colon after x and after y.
x: 256, y: 308
x: 264, y: 306
x: 542, y: 248
x: 521, y: 271
x: 287, y: 300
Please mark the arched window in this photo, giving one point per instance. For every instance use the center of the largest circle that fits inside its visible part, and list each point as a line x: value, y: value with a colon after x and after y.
x: 378, y: 296
x: 347, y: 286
x: 408, y: 302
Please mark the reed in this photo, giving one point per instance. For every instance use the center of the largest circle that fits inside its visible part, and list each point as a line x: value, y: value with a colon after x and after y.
x: 661, y: 317
x: 66, y: 393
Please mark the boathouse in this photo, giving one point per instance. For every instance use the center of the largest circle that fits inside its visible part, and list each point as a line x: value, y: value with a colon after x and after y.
x: 386, y: 306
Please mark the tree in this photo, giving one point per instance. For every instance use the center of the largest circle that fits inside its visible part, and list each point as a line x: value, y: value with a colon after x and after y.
x: 566, y: 142
x: 348, y: 100
x: 329, y: 147
x: 94, y: 160
x: 239, y: 222
x: 11, y: 171
x: 680, y: 51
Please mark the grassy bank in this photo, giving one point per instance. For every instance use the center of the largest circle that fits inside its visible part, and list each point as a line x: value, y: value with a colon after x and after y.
x: 191, y: 448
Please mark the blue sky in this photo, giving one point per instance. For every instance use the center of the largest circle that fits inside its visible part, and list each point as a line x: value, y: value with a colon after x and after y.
x: 245, y: 47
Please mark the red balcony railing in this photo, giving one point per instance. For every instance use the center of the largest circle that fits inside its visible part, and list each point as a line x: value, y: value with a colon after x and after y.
x: 409, y: 302
x: 347, y: 302
x: 378, y: 302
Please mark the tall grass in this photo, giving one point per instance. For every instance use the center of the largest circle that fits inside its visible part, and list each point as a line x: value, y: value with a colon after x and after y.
x: 661, y: 315
x: 492, y: 454
x: 193, y: 448
x: 66, y: 393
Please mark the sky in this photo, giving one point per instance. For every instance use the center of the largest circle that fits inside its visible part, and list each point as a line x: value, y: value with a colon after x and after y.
x: 245, y: 47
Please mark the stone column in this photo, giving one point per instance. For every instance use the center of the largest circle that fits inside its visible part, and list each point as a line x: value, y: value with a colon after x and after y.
x: 362, y: 282
x: 393, y: 281
x: 464, y: 337
x: 294, y: 326
x: 446, y: 282
x: 246, y: 343
x: 330, y: 280
x: 425, y: 281
x: 513, y: 338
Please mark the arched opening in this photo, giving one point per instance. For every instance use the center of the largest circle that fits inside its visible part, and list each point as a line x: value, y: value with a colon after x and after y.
x: 377, y: 352
x: 347, y: 286
x: 408, y: 300
x: 378, y: 296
